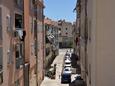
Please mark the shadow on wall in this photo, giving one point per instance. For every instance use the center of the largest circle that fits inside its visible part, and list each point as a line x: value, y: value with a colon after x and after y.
x: 66, y: 45
x: 75, y: 65
x: 49, y: 61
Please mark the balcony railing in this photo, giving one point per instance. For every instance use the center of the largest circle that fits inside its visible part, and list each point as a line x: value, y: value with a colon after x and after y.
x: 1, y: 77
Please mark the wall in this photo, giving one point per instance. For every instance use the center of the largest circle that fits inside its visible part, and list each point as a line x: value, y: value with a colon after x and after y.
x: 10, y: 74
x: 105, y: 43
x: 100, y: 45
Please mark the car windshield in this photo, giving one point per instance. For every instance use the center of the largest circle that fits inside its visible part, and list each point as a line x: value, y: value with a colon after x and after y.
x: 67, y: 63
x: 66, y: 76
x: 66, y: 69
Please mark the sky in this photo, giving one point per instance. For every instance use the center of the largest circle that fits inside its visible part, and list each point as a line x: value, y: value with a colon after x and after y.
x: 60, y: 9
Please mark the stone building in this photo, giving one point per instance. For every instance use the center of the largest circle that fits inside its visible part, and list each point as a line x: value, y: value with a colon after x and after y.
x: 52, y: 43
x: 96, y: 31
x: 19, y: 56
x: 65, y: 34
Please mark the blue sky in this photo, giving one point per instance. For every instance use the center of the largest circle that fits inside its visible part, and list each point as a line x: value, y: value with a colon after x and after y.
x: 60, y: 9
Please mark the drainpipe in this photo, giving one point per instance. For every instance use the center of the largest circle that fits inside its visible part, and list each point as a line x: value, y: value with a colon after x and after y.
x: 86, y: 37
x: 36, y: 42
x: 24, y: 50
x: 79, y: 32
x: 43, y: 28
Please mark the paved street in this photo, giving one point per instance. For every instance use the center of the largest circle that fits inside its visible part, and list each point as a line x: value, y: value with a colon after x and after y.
x: 59, y: 61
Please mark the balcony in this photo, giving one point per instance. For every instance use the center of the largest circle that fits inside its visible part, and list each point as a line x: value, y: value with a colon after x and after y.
x: 1, y: 76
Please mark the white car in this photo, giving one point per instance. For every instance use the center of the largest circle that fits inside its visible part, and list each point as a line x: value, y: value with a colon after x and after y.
x: 67, y: 63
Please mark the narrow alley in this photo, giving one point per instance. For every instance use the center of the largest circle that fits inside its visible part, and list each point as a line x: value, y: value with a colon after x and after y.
x: 57, y: 81
x: 57, y: 43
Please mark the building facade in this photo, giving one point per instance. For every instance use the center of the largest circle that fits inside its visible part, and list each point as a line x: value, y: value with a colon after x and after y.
x: 36, y: 35
x: 65, y: 34
x: 18, y: 50
x: 96, y: 23
x: 52, y: 43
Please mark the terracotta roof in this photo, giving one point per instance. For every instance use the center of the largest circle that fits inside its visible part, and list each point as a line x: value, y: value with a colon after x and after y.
x: 50, y: 22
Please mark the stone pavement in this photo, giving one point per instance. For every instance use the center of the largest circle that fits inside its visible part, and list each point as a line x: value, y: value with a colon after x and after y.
x: 57, y: 82
x: 59, y: 61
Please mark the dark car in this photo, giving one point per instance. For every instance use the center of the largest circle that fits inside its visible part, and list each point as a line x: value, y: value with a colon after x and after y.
x: 79, y: 81
x: 78, y: 78
x: 66, y: 78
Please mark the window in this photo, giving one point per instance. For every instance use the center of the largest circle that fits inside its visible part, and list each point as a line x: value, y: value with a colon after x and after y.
x: 31, y: 5
x: 19, y: 55
x: 19, y: 4
x: 66, y: 33
x: 10, y: 55
x: 31, y: 23
x: 40, y: 13
x: 35, y: 28
x: 17, y: 83
x: 18, y: 21
x: 60, y: 29
x: 66, y: 28
x: 47, y: 51
x: 36, y: 47
x: 35, y: 10
x: 46, y: 39
x: 19, y: 50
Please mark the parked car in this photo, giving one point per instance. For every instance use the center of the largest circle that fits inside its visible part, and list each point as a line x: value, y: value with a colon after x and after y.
x: 67, y: 70
x: 78, y: 77
x: 66, y: 75
x: 65, y: 78
x: 67, y: 63
x: 67, y: 54
x: 79, y: 81
x: 67, y: 57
